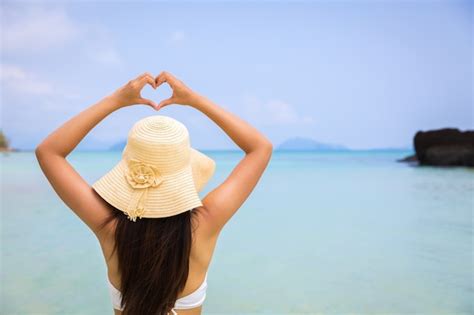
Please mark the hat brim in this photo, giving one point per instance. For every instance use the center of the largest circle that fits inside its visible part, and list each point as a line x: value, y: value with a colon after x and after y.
x: 176, y: 193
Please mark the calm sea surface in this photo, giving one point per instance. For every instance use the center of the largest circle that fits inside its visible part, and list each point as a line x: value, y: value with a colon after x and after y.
x: 323, y: 233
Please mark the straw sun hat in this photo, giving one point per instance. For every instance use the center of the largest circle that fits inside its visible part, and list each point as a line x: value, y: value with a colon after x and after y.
x: 160, y: 174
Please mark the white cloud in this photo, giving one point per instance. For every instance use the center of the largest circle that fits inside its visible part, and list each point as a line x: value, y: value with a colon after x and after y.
x: 32, y: 29
x: 16, y: 80
x: 36, y: 29
x: 272, y: 112
x: 104, y: 55
x: 178, y: 36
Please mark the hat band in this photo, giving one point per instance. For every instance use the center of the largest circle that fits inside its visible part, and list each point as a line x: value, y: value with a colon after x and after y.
x: 140, y: 176
x: 136, y: 206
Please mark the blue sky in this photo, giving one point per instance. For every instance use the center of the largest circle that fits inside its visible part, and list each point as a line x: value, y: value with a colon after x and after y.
x: 364, y: 74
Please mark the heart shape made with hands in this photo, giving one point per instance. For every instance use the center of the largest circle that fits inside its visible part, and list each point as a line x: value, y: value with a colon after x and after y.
x: 162, y: 92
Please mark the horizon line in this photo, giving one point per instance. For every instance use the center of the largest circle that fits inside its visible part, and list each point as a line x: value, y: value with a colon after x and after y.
x: 13, y: 150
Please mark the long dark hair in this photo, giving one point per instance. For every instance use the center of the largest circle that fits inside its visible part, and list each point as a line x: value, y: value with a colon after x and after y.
x: 153, y: 260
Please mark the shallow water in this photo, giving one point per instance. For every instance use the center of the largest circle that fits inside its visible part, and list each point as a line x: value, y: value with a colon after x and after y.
x: 322, y: 233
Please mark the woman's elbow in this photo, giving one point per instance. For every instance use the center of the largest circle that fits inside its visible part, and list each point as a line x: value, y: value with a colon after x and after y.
x: 267, y: 149
x: 40, y: 151
x: 268, y: 145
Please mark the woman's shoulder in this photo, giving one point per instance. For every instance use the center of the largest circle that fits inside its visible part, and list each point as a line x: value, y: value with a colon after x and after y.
x: 204, y: 240
x: 203, y: 223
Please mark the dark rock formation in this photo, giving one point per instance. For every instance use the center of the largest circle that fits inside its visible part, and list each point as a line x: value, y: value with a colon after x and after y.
x: 410, y: 158
x: 445, y: 147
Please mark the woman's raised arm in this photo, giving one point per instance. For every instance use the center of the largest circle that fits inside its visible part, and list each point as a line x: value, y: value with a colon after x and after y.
x: 223, y: 202
x: 52, y: 151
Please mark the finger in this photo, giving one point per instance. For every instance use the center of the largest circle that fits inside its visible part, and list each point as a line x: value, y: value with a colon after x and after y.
x: 148, y: 102
x: 142, y: 77
x: 160, y: 79
x: 166, y: 102
x: 145, y: 74
x: 166, y: 77
x: 147, y: 79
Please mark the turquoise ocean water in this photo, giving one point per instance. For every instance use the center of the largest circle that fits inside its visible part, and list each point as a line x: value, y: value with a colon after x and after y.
x: 323, y: 233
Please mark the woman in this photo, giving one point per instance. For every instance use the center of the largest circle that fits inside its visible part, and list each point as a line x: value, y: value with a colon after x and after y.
x: 158, y: 254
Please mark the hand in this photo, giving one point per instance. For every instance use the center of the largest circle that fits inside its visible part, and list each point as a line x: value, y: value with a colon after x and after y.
x: 129, y: 94
x: 181, y: 93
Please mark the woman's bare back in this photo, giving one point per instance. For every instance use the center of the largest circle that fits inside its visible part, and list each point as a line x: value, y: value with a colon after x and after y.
x: 202, y: 250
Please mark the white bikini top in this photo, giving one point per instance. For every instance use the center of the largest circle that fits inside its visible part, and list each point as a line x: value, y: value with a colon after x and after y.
x: 191, y: 300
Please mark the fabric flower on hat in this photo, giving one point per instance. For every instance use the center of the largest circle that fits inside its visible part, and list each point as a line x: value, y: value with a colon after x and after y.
x: 140, y: 176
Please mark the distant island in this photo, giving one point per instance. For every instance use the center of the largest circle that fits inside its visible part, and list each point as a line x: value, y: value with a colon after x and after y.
x: 291, y: 144
x: 308, y: 144
x: 295, y: 143
x: 5, y: 143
